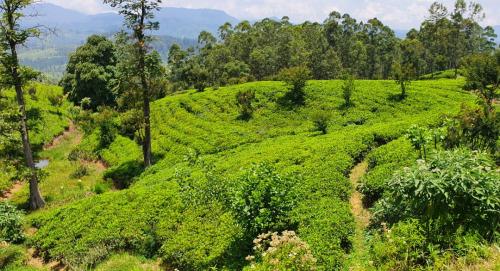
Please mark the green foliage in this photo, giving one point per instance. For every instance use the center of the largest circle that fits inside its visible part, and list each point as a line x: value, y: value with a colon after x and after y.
x: 12, y: 257
x: 453, y: 189
x: 245, y: 100
x: 475, y: 128
x: 178, y: 210
x: 11, y: 227
x: 281, y: 252
x: 125, y: 262
x: 483, y: 74
x: 419, y: 138
x: 320, y: 120
x: 381, y: 165
x: 402, y: 247
x: 90, y: 73
x: 263, y: 200
x: 56, y: 100
x: 80, y: 171
x: 348, y: 88
x: 296, y: 79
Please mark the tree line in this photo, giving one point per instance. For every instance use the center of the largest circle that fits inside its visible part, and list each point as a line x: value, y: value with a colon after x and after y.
x: 340, y: 45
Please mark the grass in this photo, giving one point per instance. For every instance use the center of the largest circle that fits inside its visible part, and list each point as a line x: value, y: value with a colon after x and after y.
x: 59, y: 187
x: 176, y: 210
x: 47, y: 121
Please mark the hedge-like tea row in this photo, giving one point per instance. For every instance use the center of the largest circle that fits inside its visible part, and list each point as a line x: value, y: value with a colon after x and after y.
x: 177, y: 209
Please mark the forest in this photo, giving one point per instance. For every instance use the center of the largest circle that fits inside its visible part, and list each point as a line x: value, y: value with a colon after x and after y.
x: 268, y: 146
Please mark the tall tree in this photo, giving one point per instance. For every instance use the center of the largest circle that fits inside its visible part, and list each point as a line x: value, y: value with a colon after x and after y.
x: 13, y: 35
x: 139, y: 15
x: 90, y: 73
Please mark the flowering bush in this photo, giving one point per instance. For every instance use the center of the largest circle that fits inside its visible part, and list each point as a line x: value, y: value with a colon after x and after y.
x: 281, y: 252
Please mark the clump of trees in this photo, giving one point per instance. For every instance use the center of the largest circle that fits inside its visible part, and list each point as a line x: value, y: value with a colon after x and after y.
x: 367, y: 50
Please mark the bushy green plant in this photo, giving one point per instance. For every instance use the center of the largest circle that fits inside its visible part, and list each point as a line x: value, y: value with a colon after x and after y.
x: 245, y: 100
x: 320, y: 120
x: 80, y: 171
x: 454, y: 189
x: 284, y: 251
x: 56, y: 100
x: 348, y: 88
x: 11, y: 226
x: 381, y: 165
x: 263, y: 200
x: 12, y: 257
x: 420, y: 137
x: 402, y: 247
x: 296, y: 78
x: 475, y: 128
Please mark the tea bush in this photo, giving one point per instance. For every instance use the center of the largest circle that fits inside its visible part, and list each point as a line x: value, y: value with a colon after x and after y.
x: 156, y: 215
x: 382, y: 162
x: 11, y: 226
x: 12, y: 257
x: 263, y: 199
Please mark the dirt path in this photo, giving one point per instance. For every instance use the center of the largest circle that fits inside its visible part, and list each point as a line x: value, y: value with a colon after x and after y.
x: 18, y: 186
x: 7, y: 195
x: 66, y: 134
x: 359, y: 256
x: 361, y: 214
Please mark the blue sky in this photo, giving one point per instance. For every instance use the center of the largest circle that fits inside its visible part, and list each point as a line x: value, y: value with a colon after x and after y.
x: 396, y: 13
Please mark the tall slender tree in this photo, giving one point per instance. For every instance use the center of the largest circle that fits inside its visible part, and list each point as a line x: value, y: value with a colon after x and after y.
x: 13, y: 35
x: 139, y: 15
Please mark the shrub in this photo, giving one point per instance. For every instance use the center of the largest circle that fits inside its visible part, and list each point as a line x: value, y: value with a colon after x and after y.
x: 245, y: 100
x: 107, y: 127
x: 348, y: 88
x: 420, y: 137
x: 86, y: 103
x: 11, y: 257
x: 453, y: 189
x: 296, y: 78
x: 320, y: 120
x: 263, y: 200
x: 475, y: 128
x: 11, y: 226
x: 56, y: 100
x: 100, y: 188
x: 80, y: 171
x: 402, y: 247
x: 281, y: 252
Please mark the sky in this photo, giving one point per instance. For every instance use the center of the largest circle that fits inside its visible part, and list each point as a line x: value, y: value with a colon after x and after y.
x: 399, y: 14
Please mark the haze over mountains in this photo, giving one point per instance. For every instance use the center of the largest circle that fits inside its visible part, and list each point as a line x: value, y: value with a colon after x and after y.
x: 50, y: 53
x: 177, y: 25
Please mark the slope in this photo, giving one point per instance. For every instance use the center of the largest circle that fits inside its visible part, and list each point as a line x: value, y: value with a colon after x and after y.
x: 178, y: 210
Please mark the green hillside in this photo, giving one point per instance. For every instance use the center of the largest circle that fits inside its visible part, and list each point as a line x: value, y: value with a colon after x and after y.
x: 47, y: 121
x: 180, y: 210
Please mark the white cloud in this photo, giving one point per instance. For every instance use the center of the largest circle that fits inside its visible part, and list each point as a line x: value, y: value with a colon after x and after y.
x: 396, y: 13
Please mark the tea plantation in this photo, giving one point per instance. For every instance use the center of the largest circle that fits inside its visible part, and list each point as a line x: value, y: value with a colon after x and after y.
x: 193, y: 208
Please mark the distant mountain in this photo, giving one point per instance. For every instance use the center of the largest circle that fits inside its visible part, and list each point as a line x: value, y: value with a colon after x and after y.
x: 69, y: 29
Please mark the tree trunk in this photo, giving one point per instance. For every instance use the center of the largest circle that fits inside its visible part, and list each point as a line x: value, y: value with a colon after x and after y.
x: 146, y: 147
x: 36, y: 201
